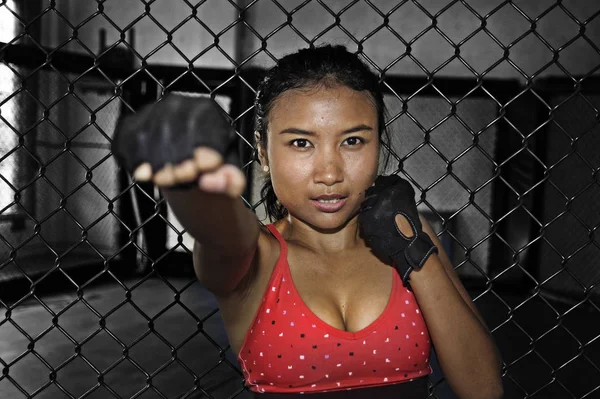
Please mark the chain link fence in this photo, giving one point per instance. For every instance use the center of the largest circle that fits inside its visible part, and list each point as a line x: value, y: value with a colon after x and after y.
x: 494, y: 119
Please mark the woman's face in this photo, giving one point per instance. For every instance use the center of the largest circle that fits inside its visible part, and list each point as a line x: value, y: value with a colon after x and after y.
x: 323, y: 152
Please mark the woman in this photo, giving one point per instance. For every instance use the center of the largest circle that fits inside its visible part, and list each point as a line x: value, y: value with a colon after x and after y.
x: 350, y: 287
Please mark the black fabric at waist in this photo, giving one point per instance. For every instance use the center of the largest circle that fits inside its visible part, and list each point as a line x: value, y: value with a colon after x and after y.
x: 416, y: 389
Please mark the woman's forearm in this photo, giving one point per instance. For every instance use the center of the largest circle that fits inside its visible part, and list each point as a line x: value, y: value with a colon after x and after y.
x: 466, y: 351
x: 214, y: 220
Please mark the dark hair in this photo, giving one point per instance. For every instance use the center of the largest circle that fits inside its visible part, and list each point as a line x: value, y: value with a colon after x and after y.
x: 324, y: 65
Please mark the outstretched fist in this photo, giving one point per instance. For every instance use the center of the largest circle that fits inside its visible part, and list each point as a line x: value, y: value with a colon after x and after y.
x: 181, y: 142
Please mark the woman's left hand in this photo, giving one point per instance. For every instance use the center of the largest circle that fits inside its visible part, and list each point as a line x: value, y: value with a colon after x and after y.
x: 391, y: 226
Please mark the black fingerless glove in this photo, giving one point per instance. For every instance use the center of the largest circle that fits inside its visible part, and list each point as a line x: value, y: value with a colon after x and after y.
x: 391, y: 196
x: 170, y: 130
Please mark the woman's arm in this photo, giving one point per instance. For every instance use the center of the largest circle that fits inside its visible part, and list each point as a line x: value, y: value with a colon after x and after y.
x: 186, y: 146
x: 225, y: 233
x: 449, y: 268
x: 465, y: 349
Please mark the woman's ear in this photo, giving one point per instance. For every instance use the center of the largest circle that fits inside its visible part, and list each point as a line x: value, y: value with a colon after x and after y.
x: 262, y: 158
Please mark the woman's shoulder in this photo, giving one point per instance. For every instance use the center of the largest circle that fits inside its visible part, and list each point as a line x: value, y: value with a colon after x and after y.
x: 264, y: 261
x: 239, y: 308
x: 267, y: 254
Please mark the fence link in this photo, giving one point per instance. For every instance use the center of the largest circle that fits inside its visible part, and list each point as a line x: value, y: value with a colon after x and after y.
x: 494, y: 115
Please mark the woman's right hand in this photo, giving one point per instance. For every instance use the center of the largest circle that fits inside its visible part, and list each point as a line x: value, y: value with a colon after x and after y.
x: 181, y: 142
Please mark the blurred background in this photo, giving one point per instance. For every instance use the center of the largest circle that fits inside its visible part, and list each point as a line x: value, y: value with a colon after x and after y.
x: 493, y: 112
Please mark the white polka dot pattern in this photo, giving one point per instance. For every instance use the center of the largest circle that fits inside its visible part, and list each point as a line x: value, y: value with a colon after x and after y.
x: 296, y: 352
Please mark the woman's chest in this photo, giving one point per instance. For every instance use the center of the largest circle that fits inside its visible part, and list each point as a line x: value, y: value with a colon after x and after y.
x: 347, y: 293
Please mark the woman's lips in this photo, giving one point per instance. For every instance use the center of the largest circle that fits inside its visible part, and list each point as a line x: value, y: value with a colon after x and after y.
x: 329, y: 205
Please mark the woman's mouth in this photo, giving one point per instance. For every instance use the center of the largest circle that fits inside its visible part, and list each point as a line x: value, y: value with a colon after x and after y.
x: 329, y: 204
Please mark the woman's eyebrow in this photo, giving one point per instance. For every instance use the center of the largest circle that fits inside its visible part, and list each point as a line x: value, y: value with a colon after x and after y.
x: 357, y: 128
x: 294, y: 130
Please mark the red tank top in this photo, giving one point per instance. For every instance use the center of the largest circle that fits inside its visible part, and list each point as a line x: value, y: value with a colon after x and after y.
x: 288, y: 349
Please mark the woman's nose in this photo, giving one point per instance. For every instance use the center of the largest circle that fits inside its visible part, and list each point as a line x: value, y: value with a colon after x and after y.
x: 328, y: 169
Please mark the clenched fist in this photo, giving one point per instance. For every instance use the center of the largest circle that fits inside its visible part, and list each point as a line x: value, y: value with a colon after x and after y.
x: 406, y: 244
x: 181, y: 142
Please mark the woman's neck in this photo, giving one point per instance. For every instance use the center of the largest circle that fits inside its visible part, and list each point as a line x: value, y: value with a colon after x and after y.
x: 319, y: 241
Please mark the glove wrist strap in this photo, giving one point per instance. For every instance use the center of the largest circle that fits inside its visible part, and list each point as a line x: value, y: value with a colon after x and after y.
x: 419, y: 250
x: 414, y: 257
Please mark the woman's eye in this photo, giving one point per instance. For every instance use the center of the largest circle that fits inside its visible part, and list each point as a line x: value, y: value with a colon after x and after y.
x: 300, y: 143
x: 352, y: 141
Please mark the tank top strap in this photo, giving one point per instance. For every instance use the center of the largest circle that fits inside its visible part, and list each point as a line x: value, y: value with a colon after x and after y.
x: 282, y: 244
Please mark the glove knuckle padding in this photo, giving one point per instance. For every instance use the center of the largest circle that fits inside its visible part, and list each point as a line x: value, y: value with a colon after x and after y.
x: 170, y: 130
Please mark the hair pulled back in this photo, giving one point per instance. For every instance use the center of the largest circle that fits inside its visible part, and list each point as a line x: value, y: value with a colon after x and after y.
x: 327, y: 65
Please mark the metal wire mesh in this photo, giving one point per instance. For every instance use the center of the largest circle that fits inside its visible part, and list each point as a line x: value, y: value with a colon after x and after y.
x: 494, y: 113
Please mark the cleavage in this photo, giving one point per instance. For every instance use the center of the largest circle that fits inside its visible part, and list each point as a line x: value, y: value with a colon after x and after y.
x: 348, y: 301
